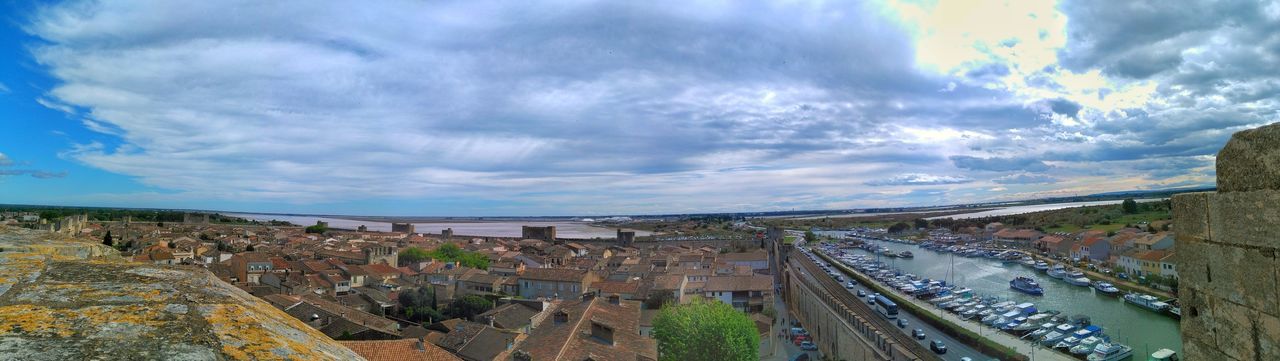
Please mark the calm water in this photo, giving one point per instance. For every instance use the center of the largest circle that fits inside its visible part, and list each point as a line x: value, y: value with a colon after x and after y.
x: 1036, y: 208
x: 1146, y: 331
x: 479, y: 228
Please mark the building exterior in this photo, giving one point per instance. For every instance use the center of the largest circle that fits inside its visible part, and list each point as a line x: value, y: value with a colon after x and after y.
x: 249, y: 266
x: 402, y: 227
x: 553, y: 283
x: 626, y: 238
x: 547, y: 233
x: 745, y: 293
x: 381, y: 255
x: 1016, y: 237
x: 757, y: 259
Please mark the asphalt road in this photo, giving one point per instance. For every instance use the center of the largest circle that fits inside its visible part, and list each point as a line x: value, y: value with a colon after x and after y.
x: 955, y: 349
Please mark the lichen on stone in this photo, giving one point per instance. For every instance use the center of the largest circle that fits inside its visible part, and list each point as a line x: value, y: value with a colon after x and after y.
x: 67, y: 299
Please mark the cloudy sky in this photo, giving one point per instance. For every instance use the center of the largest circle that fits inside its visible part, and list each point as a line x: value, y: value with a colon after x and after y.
x: 580, y: 107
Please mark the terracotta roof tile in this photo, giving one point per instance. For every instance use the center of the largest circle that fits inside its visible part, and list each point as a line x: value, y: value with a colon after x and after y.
x: 399, y: 350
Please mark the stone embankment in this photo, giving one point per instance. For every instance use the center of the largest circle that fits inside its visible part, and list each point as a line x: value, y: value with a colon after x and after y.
x: 68, y: 299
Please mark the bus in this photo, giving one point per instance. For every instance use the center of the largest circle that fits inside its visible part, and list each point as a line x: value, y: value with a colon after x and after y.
x: 886, y: 307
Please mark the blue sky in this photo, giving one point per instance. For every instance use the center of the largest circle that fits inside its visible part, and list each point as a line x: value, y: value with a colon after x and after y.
x: 573, y: 107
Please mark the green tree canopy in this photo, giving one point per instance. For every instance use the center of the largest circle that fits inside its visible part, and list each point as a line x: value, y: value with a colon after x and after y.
x: 705, y: 330
x: 469, y: 306
x: 413, y: 255
x: 810, y: 237
x: 899, y: 227
x: 317, y: 229
x: 447, y: 252
x: 1130, y: 206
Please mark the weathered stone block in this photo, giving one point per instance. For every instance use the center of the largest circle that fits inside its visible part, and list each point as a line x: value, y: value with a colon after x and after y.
x: 1268, y: 337
x: 1236, y: 331
x: 1250, y: 160
x: 1193, y: 263
x: 1241, y: 275
x: 1191, y: 216
x: 1248, y: 278
x: 1194, y: 349
x: 1247, y: 218
x: 1197, y: 315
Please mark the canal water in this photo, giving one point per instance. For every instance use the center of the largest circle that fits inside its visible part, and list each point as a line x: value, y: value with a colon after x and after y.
x: 1144, y: 330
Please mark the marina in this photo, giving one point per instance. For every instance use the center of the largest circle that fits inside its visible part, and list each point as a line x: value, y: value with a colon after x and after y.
x: 1137, y: 324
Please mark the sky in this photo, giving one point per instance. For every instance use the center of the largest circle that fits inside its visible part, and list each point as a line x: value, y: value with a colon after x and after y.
x: 630, y: 107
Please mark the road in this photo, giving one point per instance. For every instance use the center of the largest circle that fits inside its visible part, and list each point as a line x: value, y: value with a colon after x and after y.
x: 955, y: 349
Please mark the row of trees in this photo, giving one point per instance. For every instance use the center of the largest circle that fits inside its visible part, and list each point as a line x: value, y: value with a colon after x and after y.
x: 447, y: 252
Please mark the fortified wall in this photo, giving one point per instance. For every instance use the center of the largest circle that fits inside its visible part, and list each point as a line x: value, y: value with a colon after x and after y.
x: 66, y: 299
x: 1227, y: 243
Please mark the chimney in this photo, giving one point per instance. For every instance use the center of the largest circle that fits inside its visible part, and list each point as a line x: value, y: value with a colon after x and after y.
x: 421, y: 345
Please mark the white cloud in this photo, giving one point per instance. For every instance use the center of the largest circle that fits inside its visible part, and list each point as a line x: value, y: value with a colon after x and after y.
x: 597, y: 106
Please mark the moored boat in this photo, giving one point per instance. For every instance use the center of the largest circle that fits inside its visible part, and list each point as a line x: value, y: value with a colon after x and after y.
x: 906, y: 254
x: 1146, y: 301
x: 1041, y: 266
x: 1110, y: 352
x: 1057, y: 271
x: 1079, y: 281
x: 1085, y: 346
x: 1026, y: 285
x: 1106, y: 288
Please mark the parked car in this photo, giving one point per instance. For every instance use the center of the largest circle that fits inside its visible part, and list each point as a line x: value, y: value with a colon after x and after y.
x: 937, y: 347
x: 808, y: 346
x: 799, y: 331
x: 918, y: 334
x: 902, y: 323
x: 799, y: 339
x: 801, y: 357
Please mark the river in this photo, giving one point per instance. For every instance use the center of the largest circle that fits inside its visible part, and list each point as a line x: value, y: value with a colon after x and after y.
x: 1144, y: 330
x: 565, y: 229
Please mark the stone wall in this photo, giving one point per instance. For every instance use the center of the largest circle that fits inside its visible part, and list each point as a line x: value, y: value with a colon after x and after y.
x: 1227, y: 243
x: 67, y: 299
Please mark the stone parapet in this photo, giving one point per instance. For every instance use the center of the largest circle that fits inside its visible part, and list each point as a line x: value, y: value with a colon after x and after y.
x: 1227, y: 244
x: 67, y: 299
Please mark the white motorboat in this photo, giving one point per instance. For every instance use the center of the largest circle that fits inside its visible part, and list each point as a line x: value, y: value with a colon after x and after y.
x: 1110, y: 352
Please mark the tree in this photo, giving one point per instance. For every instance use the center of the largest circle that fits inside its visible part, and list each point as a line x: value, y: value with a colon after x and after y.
x: 921, y: 223
x: 317, y: 229
x: 810, y: 237
x: 469, y: 306
x: 899, y: 227
x: 1129, y: 206
x: 705, y: 330
x: 658, y: 299
x: 249, y: 248
x: 106, y: 239
x: 413, y: 255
